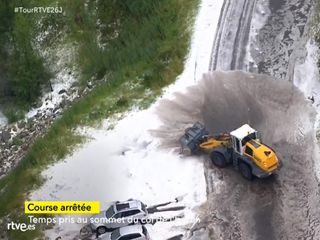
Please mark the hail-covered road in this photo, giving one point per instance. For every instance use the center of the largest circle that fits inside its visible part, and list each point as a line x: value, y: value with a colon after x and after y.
x: 267, y: 37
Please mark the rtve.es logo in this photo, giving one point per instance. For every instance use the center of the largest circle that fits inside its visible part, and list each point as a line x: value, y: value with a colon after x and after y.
x: 23, y: 227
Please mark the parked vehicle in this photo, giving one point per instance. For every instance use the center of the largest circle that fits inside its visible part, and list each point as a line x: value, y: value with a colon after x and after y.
x: 119, y: 214
x: 132, y: 232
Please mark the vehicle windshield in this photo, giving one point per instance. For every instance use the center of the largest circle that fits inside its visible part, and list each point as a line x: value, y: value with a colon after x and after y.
x: 115, y: 234
x: 248, y: 138
x: 110, y: 212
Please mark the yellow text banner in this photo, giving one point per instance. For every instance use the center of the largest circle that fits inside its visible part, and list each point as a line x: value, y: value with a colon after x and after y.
x: 69, y: 207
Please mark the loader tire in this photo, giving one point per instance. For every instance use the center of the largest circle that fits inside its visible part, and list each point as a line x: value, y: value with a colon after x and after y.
x: 245, y: 171
x: 101, y: 230
x: 218, y: 159
x: 186, y: 151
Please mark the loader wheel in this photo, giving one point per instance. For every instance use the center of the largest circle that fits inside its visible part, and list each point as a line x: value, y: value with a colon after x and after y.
x: 186, y: 151
x: 245, y: 171
x: 218, y: 159
x: 101, y: 230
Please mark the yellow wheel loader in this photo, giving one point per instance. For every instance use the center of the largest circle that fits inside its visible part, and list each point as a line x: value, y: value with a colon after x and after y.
x: 241, y: 148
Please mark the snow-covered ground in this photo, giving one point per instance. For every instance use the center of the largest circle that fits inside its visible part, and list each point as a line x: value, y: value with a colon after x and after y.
x: 306, y: 78
x: 127, y: 162
x: 198, y: 59
x: 65, y: 76
x: 3, y: 119
x: 306, y: 74
x: 259, y: 18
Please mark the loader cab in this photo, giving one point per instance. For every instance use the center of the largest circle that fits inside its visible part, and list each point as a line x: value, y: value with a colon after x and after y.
x: 241, y: 136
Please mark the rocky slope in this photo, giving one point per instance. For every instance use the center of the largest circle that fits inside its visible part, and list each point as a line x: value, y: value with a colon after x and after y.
x: 15, y: 139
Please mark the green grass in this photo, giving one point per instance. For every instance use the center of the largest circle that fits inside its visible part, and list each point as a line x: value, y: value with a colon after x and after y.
x: 14, y: 112
x: 22, y: 68
x: 145, y: 46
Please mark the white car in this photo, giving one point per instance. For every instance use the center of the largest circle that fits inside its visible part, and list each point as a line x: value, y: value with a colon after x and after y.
x: 119, y: 214
x: 132, y: 232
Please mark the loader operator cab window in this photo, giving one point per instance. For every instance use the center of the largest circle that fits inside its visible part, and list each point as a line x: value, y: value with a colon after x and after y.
x: 237, y: 145
x: 249, y: 137
x: 249, y: 151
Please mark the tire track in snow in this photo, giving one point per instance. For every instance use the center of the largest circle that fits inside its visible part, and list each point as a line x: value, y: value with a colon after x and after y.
x: 229, y: 47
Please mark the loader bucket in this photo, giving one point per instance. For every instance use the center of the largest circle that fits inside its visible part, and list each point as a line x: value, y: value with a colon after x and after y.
x: 192, y: 138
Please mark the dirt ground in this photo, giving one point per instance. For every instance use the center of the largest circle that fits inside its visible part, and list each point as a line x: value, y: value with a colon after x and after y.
x: 284, y: 206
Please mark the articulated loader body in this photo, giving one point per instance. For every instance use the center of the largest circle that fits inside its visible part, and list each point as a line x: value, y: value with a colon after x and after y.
x: 241, y: 148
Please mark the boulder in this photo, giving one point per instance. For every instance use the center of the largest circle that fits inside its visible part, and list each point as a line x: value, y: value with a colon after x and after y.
x: 62, y: 91
x: 63, y: 103
x: 21, y: 124
x: 90, y: 85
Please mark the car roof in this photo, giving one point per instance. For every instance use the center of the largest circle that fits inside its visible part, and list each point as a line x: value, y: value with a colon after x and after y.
x: 242, y: 131
x: 122, y: 206
x: 131, y: 204
x: 131, y: 229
